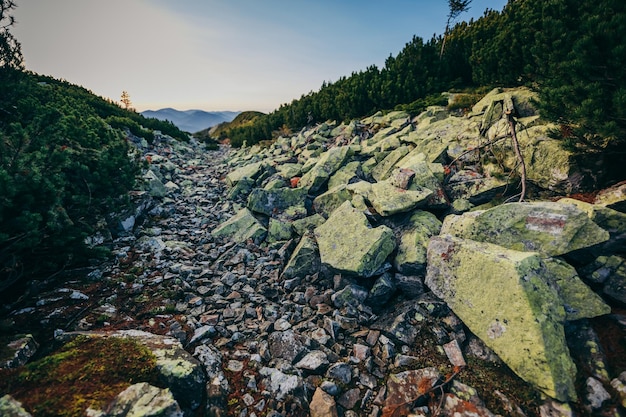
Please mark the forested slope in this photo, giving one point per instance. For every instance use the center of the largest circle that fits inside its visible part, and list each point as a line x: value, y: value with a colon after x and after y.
x: 571, y: 52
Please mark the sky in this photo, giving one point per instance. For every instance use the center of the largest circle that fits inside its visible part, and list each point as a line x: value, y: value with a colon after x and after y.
x: 219, y: 55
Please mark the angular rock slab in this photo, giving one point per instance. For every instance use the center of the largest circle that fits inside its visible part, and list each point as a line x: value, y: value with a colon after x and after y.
x: 549, y: 228
x: 414, y: 237
x: 241, y: 227
x: 10, y: 407
x: 143, y: 399
x: 328, y: 163
x: 250, y: 171
x: 388, y: 200
x: 305, y: 259
x: 503, y: 299
x: 347, y: 242
x: 270, y: 202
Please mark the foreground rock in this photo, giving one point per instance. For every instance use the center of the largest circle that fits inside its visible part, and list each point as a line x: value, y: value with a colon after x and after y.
x: 349, y: 244
x: 511, y: 301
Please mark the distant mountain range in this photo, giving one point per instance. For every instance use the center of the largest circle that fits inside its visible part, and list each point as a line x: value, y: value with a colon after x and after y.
x: 192, y: 120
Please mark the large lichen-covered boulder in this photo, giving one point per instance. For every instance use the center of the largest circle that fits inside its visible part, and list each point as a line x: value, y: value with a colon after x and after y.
x: 241, y: 227
x: 347, y: 242
x: 305, y: 259
x: 550, y: 228
x: 273, y: 201
x: 387, y: 199
x: 329, y: 162
x: 415, y: 233
x: 250, y: 171
x: 503, y: 298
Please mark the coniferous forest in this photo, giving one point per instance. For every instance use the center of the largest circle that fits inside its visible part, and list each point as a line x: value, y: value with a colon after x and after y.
x: 570, y: 51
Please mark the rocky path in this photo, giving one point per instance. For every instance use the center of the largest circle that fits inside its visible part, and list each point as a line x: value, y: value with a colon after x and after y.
x: 275, y: 346
x: 320, y: 344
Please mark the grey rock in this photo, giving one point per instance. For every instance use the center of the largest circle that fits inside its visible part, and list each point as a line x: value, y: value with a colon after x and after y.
x: 10, y: 407
x: 145, y: 400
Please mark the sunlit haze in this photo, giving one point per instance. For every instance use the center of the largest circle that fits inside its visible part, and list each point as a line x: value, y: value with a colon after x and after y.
x: 219, y: 55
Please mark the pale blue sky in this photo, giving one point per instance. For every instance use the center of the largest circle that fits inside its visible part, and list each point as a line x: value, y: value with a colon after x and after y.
x: 219, y: 54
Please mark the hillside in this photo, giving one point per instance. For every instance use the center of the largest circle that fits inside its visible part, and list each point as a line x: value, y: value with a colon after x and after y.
x: 218, y: 132
x: 191, y: 120
x: 66, y: 161
x: 570, y: 53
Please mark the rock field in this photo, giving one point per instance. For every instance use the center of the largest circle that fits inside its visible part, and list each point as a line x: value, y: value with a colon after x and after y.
x: 340, y: 272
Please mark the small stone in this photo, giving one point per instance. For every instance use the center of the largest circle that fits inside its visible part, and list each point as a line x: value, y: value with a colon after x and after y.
x: 341, y: 372
x: 596, y: 393
x: 454, y: 353
x: 361, y: 352
x: 349, y: 398
x: 322, y: 404
x: 234, y: 366
x: 281, y: 324
x: 314, y: 361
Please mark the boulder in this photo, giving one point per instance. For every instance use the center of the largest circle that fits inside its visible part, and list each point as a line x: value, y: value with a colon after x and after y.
x: 505, y: 298
x: 10, y: 407
x: 415, y: 232
x: 143, y: 399
x: 347, y: 242
x: 305, y: 259
x: 388, y: 199
x: 613, y: 197
x: 474, y: 187
x: 329, y: 162
x: 241, y: 227
x: 348, y: 173
x: 271, y: 202
x: 327, y: 202
x: 384, y: 168
x: 18, y: 351
x: 549, y: 228
x: 289, y: 170
x: 612, y: 221
x: 250, y: 171
x: 278, y: 231
x: 307, y: 224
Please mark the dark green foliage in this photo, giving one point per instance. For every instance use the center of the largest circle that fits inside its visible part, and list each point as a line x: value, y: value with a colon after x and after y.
x: 63, y: 164
x: 573, y: 52
x: 10, y: 50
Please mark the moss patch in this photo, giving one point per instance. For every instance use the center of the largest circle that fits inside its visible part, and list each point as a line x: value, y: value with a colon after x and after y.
x: 87, y: 372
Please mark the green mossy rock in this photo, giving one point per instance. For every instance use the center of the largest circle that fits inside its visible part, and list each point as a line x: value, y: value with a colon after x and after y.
x: 415, y: 234
x: 549, y: 228
x: 274, y: 201
x: 241, y: 227
x: 503, y: 297
x: 305, y: 259
x: 251, y: 171
x: 329, y: 162
x: 384, y: 168
x: 345, y: 175
x: 347, y: 242
x: 613, y: 197
x: 327, y: 202
x: 307, y: 224
x: 278, y: 231
x: 388, y: 199
x: 289, y: 170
